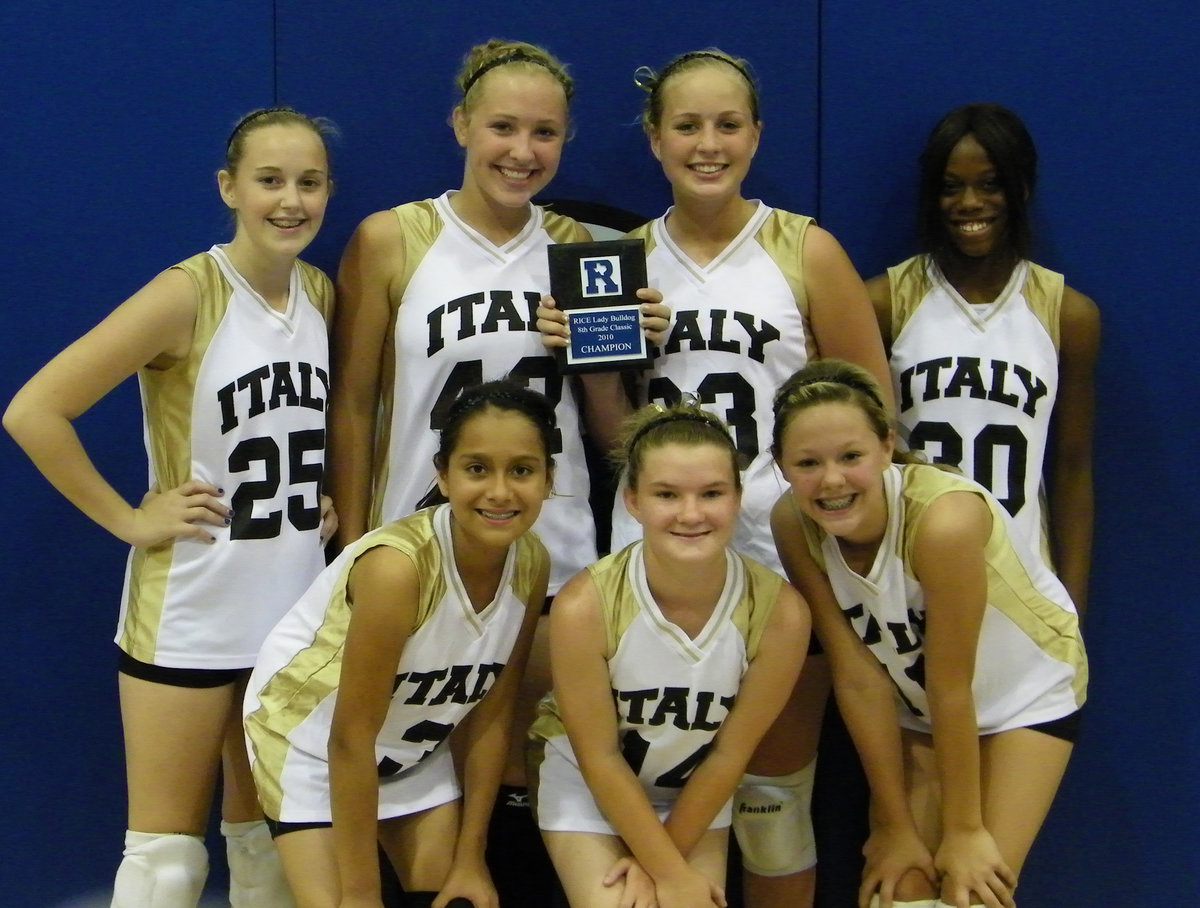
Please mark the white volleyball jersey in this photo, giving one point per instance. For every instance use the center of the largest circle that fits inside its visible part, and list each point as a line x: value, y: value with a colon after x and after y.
x: 671, y: 692
x: 468, y: 315
x: 976, y: 384
x: 739, y: 328
x: 244, y: 411
x: 1030, y: 665
x: 449, y: 662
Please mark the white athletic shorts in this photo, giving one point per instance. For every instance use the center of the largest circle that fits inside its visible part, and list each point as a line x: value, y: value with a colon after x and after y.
x: 305, y: 786
x: 565, y: 804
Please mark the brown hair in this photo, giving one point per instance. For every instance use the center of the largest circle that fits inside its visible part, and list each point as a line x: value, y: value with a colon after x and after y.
x: 681, y: 424
x: 235, y: 146
x: 828, y: 381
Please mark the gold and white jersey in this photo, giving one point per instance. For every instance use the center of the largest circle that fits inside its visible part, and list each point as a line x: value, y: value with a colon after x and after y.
x: 244, y: 411
x: 1030, y: 665
x: 468, y: 315
x: 671, y: 691
x: 976, y: 384
x: 739, y: 329
x: 450, y: 661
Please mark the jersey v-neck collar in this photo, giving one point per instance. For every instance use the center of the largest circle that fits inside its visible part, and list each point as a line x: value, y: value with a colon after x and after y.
x: 731, y: 593
x: 703, y: 273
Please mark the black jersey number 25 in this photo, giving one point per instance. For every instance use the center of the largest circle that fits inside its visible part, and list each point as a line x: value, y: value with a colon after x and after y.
x: 300, y: 471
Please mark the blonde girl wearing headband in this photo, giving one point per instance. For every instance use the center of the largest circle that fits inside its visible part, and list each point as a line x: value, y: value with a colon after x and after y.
x: 231, y: 354
x: 756, y: 292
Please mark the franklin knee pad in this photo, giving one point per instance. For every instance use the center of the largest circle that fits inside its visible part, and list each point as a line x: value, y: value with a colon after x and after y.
x: 256, y: 877
x: 773, y: 822
x: 160, y: 870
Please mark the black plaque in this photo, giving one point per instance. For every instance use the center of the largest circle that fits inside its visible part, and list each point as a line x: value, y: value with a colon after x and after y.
x: 596, y: 285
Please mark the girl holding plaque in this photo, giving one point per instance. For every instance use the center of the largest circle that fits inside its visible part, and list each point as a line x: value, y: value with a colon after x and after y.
x: 755, y: 294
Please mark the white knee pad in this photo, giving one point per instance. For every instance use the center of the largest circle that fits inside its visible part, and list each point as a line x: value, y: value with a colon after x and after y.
x: 920, y: 903
x: 160, y: 870
x: 773, y: 822
x: 256, y: 877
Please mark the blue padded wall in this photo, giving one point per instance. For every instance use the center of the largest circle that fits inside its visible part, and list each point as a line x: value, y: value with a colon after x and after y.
x: 114, y: 121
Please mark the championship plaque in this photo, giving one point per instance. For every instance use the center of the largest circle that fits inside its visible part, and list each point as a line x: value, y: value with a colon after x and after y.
x: 596, y: 284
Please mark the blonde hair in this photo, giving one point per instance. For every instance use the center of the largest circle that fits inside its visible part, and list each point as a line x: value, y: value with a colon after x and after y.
x: 235, y: 145
x: 652, y: 82
x: 483, y: 58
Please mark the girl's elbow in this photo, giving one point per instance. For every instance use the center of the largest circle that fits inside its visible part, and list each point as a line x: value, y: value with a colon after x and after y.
x: 19, y: 419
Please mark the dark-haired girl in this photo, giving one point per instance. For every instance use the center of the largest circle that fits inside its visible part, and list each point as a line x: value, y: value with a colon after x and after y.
x: 992, y: 355
x: 421, y: 625
x: 956, y: 653
x: 671, y: 658
x: 231, y: 354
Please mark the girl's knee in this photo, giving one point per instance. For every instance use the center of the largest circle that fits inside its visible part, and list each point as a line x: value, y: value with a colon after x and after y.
x: 915, y: 886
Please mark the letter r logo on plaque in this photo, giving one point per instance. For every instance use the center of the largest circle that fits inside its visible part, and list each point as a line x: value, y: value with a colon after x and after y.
x: 596, y: 284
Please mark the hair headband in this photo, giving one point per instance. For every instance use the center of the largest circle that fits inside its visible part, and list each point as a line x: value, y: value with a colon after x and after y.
x: 670, y: 416
x: 852, y: 384
x: 515, y: 56
x: 644, y: 77
x: 253, y: 115
x: 525, y: 399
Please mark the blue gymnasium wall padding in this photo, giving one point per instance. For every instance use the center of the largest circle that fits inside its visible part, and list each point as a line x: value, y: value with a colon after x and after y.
x: 113, y: 121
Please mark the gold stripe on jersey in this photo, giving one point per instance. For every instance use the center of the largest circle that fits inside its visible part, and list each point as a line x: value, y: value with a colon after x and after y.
x: 419, y: 227
x: 782, y: 235
x: 167, y: 393
x: 291, y: 695
x: 420, y: 224
x: 909, y: 284
x: 1010, y: 587
x: 1043, y: 292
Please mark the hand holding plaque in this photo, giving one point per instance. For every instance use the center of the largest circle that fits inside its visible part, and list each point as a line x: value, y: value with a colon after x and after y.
x: 595, y: 285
